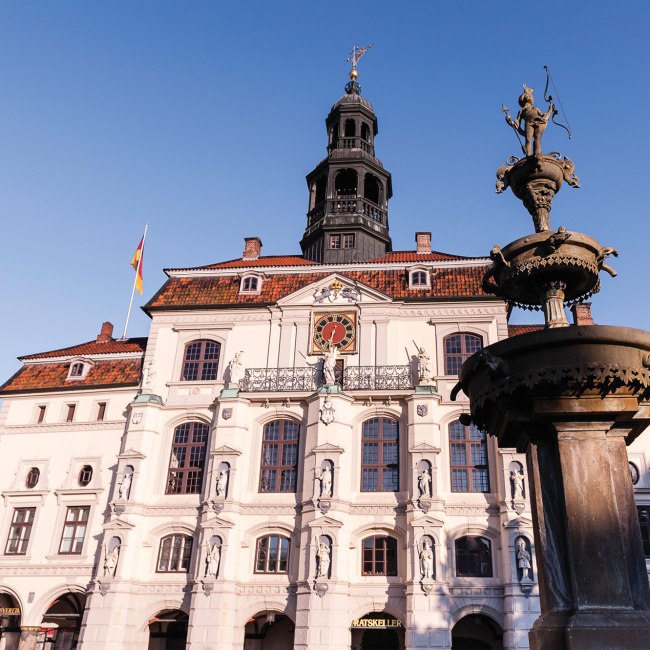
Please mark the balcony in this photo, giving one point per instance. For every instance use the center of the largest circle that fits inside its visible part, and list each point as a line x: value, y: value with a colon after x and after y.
x: 309, y: 379
x: 347, y: 205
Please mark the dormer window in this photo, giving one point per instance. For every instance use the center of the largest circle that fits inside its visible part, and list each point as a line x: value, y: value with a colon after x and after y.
x: 419, y: 279
x: 79, y: 369
x: 251, y: 284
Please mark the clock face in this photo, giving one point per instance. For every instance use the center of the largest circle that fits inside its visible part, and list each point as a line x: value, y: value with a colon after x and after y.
x: 337, y: 329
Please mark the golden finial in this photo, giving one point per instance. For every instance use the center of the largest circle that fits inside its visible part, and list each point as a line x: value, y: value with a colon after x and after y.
x: 355, y: 55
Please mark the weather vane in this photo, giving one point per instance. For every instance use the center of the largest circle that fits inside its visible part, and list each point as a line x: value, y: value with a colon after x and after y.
x: 355, y: 55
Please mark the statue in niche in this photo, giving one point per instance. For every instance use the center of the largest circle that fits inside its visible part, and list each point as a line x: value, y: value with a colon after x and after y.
x: 212, y: 557
x: 329, y: 363
x: 222, y: 482
x: 425, y: 371
x: 323, y: 560
x: 110, y: 561
x: 326, y: 481
x: 424, y: 483
x: 426, y: 560
x: 125, y: 486
x: 517, y: 482
x: 236, y: 369
x: 148, y: 375
x: 534, y: 120
x: 523, y: 558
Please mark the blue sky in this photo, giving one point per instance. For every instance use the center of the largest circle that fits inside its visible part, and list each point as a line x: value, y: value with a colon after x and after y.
x: 202, y: 119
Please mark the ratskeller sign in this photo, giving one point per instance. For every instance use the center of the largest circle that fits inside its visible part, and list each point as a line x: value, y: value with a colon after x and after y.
x: 377, y: 623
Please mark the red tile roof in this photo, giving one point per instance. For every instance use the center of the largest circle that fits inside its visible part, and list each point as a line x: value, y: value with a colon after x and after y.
x: 269, y: 260
x: 515, y: 330
x: 53, y: 376
x: 206, y: 291
x: 413, y: 256
x: 93, y: 347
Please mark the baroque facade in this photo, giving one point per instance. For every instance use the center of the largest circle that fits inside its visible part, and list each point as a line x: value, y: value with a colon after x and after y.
x: 279, y: 464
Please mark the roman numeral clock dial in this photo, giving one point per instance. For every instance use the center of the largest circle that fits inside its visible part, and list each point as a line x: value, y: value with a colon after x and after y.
x: 339, y: 329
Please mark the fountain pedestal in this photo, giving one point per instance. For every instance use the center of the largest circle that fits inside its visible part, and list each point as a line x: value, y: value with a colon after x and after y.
x: 572, y: 398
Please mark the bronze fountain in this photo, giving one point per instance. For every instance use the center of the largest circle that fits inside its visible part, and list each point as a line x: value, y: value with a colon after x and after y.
x: 572, y: 398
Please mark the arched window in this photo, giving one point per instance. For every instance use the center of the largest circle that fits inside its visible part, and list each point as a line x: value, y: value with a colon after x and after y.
x: 272, y: 554
x: 77, y: 370
x: 250, y: 284
x: 85, y: 475
x: 187, y: 458
x: 379, y: 556
x: 321, y: 186
x: 174, y: 554
x: 33, y: 476
x: 365, y: 132
x: 201, y: 361
x: 469, y: 460
x: 419, y: 279
x: 350, y: 129
x: 380, y: 457
x: 473, y: 557
x: 371, y: 188
x: 458, y: 348
x: 279, y: 466
x: 346, y: 183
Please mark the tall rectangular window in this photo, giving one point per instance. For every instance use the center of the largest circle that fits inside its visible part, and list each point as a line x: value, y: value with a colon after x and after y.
x: 348, y: 241
x: 101, y: 411
x: 644, y: 522
x: 40, y: 417
x: 468, y: 459
x: 380, y: 455
x: 335, y: 241
x: 74, y: 530
x: 70, y: 413
x: 20, y: 531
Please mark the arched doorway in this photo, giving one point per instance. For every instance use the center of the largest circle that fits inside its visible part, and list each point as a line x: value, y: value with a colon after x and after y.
x: 476, y: 632
x: 377, y: 631
x: 168, y: 630
x: 269, y: 631
x: 62, y: 622
x: 9, y: 622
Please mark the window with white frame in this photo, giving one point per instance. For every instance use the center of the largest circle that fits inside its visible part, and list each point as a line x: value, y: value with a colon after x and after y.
x: 74, y: 530
x: 251, y: 284
x: 20, y: 531
x: 174, y: 554
x: 419, y: 279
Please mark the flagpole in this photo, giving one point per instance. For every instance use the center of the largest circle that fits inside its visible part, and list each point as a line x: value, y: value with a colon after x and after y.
x: 135, y: 279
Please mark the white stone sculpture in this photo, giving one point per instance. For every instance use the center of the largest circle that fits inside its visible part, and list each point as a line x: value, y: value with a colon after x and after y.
x: 425, y: 372
x: 236, y: 369
x: 517, y: 482
x: 148, y: 375
x: 329, y: 365
x: 125, y: 485
x: 323, y: 557
x: 326, y: 481
x: 327, y: 411
x: 110, y: 561
x: 424, y: 483
x: 426, y: 560
x: 222, y: 482
x: 212, y: 557
x: 523, y: 558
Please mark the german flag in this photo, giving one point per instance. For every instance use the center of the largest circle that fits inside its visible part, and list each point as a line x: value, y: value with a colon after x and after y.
x: 136, y: 263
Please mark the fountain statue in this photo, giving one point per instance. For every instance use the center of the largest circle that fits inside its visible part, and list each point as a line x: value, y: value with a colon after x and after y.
x: 571, y: 398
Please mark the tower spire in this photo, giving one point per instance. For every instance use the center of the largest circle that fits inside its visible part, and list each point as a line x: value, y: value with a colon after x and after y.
x: 347, y: 218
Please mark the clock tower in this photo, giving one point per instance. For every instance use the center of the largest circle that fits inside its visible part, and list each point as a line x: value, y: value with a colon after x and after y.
x: 347, y: 220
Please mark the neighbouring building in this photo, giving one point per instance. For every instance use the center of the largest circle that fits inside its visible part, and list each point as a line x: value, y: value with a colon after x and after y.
x: 279, y: 464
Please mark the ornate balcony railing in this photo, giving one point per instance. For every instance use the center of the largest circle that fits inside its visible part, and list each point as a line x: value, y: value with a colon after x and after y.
x: 280, y: 379
x: 347, y: 205
x: 310, y: 378
x: 377, y: 377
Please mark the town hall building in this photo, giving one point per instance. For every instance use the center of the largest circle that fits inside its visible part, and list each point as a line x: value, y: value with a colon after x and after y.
x: 279, y: 463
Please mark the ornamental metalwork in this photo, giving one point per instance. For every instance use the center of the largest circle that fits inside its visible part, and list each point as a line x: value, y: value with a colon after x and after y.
x: 377, y: 377
x: 280, y: 379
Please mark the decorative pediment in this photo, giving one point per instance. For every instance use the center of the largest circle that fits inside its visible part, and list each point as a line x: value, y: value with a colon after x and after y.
x: 427, y: 522
x: 117, y: 525
x: 131, y: 454
x: 424, y: 448
x: 327, y: 448
x: 325, y: 522
x: 224, y: 450
x: 518, y: 522
x: 217, y: 522
x: 335, y: 289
